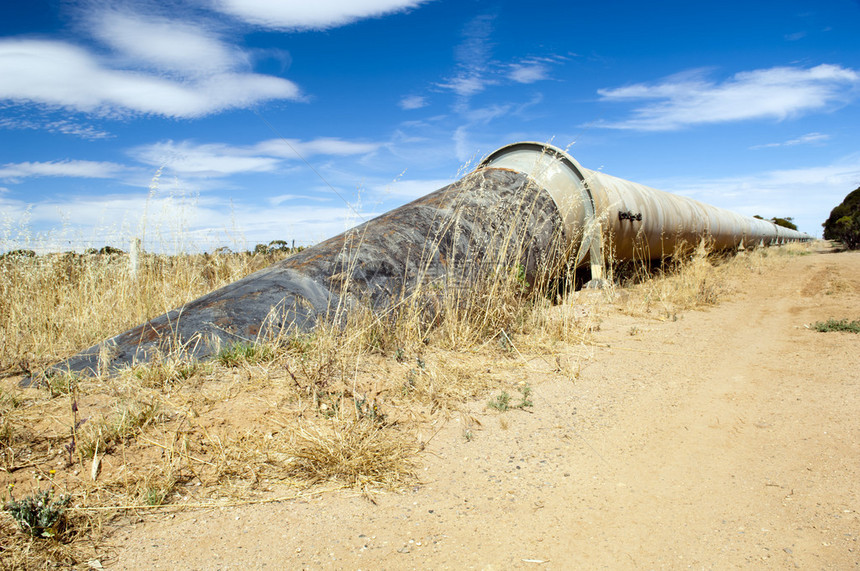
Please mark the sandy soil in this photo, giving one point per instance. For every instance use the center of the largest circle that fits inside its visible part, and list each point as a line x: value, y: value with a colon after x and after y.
x: 728, y: 438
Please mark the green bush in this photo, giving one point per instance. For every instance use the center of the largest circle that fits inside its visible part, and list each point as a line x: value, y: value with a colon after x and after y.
x: 245, y: 354
x: 837, y: 325
x: 843, y: 224
x: 39, y: 515
x: 787, y: 222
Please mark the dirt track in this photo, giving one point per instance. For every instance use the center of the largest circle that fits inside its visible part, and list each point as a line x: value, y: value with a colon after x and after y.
x: 729, y: 438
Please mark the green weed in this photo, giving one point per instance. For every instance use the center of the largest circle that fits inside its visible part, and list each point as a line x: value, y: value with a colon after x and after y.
x: 39, y: 515
x: 245, y: 354
x: 502, y: 401
x: 837, y: 325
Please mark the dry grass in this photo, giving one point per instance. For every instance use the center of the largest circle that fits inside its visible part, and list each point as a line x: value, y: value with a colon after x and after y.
x: 357, y: 453
x: 53, y: 305
x: 343, y: 404
x: 693, y: 278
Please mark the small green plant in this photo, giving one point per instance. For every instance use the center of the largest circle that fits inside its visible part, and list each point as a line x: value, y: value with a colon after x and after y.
x: 61, y: 383
x: 155, y: 495
x: 245, y: 353
x: 39, y: 515
x: 525, y: 392
x: 837, y: 325
x: 365, y: 409
x: 522, y: 284
x: 165, y: 373
x: 502, y: 401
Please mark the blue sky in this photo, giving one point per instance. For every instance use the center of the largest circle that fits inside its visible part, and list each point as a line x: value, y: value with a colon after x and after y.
x: 203, y: 123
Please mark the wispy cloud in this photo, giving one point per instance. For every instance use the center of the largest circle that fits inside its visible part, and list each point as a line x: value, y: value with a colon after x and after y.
x: 808, y: 139
x: 806, y: 193
x: 61, y: 126
x: 192, y: 159
x: 692, y: 99
x: 533, y: 69
x: 282, y: 198
x: 77, y: 169
x: 204, y: 160
x: 206, y: 221
x: 411, y: 189
x: 413, y: 102
x: 473, y: 59
x: 331, y: 146
x: 316, y: 15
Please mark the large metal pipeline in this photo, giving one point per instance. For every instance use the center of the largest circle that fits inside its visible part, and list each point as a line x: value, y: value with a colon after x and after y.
x: 529, y: 206
x: 627, y: 220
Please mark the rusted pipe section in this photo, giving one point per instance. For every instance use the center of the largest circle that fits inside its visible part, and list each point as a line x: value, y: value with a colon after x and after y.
x: 528, y: 206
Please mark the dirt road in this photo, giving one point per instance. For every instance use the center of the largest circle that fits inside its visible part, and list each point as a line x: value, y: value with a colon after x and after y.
x: 728, y: 438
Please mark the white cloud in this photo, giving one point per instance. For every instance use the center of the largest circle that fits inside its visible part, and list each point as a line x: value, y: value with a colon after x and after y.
x: 808, y: 139
x: 473, y: 59
x: 68, y: 168
x: 534, y: 69
x: 172, y: 222
x: 691, y: 99
x: 205, y: 160
x: 413, y: 102
x: 316, y: 15
x: 411, y: 189
x: 62, y: 75
x: 68, y: 127
x: 281, y: 198
x: 63, y: 126
x: 331, y: 146
x: 528, y: 72
x: 166, y: 45
x: 220, y: 159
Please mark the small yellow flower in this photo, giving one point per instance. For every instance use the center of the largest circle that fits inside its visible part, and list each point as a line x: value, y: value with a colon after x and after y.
x: 52, y: 472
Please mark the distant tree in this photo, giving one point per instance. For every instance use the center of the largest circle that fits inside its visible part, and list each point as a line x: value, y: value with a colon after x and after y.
x: 261, y: 249
x: 844, y: 222
x: 786, y: 222
x: 19, y: 254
